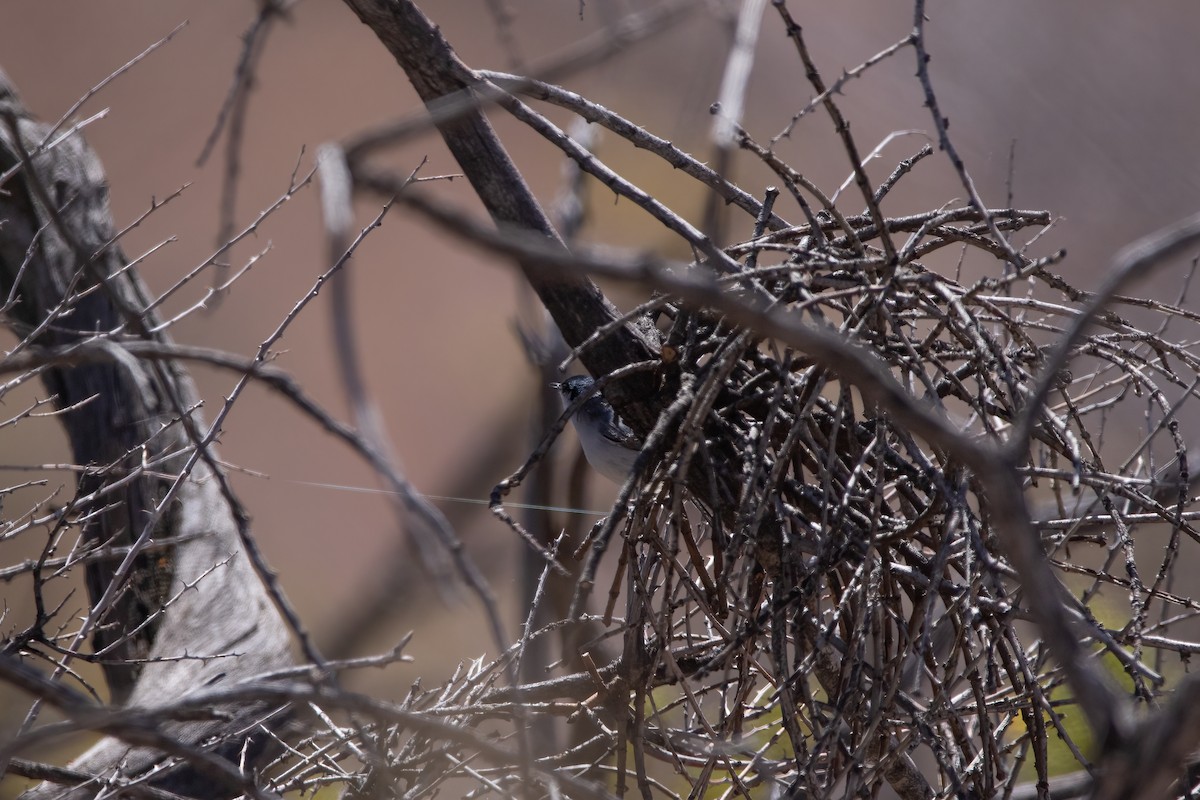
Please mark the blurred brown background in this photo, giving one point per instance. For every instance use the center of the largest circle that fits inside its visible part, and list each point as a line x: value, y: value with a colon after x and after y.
x: 1099, y: 99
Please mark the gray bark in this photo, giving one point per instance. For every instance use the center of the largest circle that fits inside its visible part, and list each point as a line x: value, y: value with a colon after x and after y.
x: 202, y: 596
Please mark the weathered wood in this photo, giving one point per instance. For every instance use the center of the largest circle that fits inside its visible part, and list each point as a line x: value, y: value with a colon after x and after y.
x: 202, y: 596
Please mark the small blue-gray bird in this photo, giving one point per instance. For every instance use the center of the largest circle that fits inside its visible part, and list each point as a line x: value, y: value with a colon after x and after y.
x: 610, y: 446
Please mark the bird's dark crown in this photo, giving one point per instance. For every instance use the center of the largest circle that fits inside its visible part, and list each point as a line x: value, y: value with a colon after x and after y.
x: 574, y: 386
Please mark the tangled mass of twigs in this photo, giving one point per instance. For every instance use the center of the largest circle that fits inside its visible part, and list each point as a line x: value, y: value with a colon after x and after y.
x: 810, y: 597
